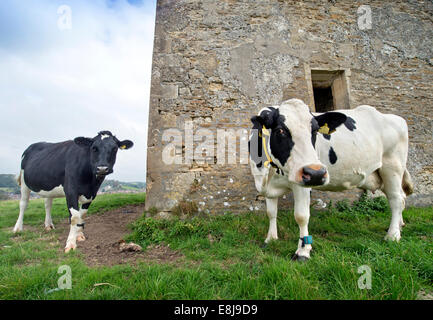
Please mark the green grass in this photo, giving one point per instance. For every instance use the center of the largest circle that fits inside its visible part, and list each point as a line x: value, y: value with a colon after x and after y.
x: 224, y: 258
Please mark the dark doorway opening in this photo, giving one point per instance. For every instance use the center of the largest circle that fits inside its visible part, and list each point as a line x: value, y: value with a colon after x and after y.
x: 323, y: 99
x: 330, y: 90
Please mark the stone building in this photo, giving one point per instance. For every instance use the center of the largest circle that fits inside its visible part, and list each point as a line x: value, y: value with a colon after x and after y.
x: 216, y: 63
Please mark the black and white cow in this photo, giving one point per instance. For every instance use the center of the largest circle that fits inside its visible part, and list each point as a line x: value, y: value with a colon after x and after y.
x: 75, y: 169
x: 358, y: 148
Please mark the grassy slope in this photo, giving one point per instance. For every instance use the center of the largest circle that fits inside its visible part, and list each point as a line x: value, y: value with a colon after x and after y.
x: 224, y: 258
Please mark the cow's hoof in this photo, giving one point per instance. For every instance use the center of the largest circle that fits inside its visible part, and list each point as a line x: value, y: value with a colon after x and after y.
x: 49, y: 228
x: 17, y: 229
x: 264, y: 245
x: 393, y: 237
x: 81, y: 237
x: 296, y: 257
x: 70, y: 247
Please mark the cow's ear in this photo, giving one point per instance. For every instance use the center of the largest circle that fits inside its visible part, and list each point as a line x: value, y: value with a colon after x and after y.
x: 329, y: 121
x: 83, y: 142
x: 267, y: 118
x: 125, y: 144
x: 257, y: 122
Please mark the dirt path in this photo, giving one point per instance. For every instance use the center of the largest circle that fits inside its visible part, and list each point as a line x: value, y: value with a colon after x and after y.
x: 103, y: 235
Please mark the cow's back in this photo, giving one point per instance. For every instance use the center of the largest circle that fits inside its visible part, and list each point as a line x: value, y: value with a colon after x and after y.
x: 43, y: 164
x: 356, y: 150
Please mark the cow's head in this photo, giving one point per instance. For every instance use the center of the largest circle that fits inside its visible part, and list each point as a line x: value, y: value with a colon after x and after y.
x: 102, y: 151
x: 292, y: 131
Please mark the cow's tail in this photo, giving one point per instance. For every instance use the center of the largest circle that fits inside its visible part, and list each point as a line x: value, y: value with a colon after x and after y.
x: 407, y: 184
x: 18, y: 178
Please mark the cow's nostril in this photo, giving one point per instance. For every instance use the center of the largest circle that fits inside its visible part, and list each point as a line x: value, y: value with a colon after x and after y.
x: 306, y: 177
x: 313, y: 175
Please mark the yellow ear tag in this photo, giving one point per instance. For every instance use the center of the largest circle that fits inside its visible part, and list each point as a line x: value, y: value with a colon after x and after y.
x: 267, y: 163
x: 265, y: 131
x: 123, y: 147
x: 325, y: 129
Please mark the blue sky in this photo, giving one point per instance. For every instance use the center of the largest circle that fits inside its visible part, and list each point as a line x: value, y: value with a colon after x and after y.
x: 57, y: 83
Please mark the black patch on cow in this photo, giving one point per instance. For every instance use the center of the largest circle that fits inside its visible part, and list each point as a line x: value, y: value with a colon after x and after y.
x: 350, y: 124
x: 332, y: 119
x: 314, y: 129
x: 255, y: 145
x: 85, y: 206
x: 332, y: 156
x: 326, y: 136
x: 281, y: 142
x: 44, y: 165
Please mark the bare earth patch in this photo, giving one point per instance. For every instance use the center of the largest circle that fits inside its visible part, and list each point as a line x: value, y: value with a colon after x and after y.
x: 423, y: 295
x: 104, y: 234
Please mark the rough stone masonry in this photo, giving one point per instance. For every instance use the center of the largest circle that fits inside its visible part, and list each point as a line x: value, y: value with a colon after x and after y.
x: 217, y: 63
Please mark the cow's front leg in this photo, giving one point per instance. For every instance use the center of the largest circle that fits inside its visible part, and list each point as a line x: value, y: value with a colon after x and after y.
x: 272, y: 210
x: 302, y: 216
x: 83, y: 212
x: 77, y: 223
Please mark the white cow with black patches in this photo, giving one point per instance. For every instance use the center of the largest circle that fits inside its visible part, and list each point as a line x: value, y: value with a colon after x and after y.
x: 292, y: 149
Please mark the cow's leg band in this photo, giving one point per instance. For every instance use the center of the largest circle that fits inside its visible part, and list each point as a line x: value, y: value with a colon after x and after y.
x: 306, y: 240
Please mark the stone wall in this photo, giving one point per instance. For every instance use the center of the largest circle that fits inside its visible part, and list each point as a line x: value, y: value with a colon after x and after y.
x: 217, y: 63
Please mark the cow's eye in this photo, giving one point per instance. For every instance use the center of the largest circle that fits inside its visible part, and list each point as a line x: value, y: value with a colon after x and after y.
x: 280, y: 132
x: 94, y: 149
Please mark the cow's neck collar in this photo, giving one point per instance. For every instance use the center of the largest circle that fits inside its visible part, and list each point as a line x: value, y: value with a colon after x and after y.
x: 265, y: 133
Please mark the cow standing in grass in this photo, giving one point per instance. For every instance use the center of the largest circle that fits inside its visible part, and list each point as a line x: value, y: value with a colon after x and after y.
x: 359, y: 148
x: 72, y: 169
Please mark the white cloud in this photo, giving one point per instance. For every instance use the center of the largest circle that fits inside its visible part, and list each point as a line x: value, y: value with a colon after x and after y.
x: 77, y: 82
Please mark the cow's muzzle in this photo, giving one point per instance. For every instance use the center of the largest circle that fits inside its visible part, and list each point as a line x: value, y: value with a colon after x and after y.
x: 102, y: 171
x: 313, y: 175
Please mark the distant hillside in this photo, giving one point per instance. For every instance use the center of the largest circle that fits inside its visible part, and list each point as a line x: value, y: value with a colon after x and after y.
x: 115, y: 185
x: 9, y: 188
x: 7, y: 181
